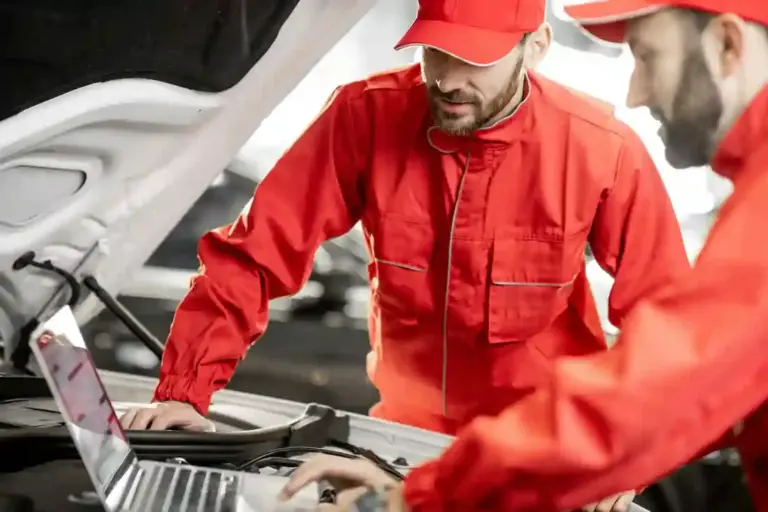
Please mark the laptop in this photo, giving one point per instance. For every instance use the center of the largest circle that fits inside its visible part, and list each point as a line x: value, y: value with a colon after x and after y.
x: 122, y: 482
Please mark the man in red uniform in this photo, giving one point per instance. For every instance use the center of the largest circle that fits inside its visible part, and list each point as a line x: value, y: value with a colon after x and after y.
x: 690, y: 371
x: 478, y: 184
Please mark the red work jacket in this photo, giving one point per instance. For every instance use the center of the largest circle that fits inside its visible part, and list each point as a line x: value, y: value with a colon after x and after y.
x: 477, y: 246
x: 689, y: 365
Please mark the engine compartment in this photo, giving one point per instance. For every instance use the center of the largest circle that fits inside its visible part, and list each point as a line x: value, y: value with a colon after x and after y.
x: 31, y: 425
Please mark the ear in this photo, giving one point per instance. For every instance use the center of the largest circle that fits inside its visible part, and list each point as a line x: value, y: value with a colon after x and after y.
x: 724, y: 43
x: 537, y: 45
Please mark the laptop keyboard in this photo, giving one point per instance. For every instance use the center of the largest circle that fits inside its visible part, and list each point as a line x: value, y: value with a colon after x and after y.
x: 182, y: 489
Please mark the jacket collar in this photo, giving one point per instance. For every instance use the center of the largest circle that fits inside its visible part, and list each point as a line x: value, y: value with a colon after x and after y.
x: 497, y: 136
x: 747, y: 135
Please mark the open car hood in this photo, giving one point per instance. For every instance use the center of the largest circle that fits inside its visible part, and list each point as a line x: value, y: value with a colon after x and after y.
x: 98, y: 167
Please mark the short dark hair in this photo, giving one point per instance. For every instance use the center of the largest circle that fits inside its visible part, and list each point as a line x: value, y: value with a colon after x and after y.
x: 702, y: 18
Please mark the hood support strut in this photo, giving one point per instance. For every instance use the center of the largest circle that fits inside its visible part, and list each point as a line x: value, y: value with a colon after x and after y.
x: 125, y: 316
x: 22, y: 353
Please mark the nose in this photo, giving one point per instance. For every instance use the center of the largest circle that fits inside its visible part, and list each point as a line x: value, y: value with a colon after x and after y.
x: 449, y: 82
x: 637, y: 95
x: 450, y: 76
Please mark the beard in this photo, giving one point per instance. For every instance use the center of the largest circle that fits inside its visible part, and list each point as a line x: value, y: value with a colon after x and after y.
x: 689, y: 133
x: 479, y: 114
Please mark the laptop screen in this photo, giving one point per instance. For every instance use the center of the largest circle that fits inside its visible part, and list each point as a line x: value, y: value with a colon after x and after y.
x: 82, y: 399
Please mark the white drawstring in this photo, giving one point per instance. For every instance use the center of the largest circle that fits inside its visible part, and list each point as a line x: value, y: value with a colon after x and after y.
x: 434, y: 146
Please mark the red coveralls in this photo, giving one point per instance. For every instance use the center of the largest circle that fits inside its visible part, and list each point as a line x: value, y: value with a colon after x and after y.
x: 477, y: 245
x: 689, y: 365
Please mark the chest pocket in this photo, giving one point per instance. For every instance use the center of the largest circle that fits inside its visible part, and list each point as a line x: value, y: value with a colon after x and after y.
x: 399, y: 273
x: 531, y: 281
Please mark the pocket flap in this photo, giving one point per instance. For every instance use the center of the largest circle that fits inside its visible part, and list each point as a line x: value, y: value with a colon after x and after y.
x: 531, y: 262
x: 403, y: 243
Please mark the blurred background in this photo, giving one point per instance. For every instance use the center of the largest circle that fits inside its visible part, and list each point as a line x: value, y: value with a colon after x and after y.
x: 315, y: 346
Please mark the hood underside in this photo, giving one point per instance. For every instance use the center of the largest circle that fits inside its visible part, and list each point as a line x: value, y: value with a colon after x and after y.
x: 95, y: 176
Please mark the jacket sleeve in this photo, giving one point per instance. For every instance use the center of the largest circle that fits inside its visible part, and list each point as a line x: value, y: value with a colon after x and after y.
x: 635, y: 235
x: 313, y: 193
x: 690, y: 364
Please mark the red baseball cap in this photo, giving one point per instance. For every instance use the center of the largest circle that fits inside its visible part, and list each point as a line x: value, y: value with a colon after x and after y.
x: 479, y: 32
x: 607, y: 19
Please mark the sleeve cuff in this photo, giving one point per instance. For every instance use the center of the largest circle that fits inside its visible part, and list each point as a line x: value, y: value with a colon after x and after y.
x: 181, y: 388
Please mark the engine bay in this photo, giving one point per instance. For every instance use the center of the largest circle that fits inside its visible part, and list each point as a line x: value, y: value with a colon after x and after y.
x: 31, y: 425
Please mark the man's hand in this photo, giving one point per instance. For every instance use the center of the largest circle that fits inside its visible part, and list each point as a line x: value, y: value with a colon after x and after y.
x: 617, y: 503
x: 349, y: 477
x: 165, y: 415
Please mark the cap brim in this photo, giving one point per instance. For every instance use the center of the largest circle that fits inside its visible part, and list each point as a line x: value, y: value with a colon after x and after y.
x: 607, y: 20
x: 474, y: 46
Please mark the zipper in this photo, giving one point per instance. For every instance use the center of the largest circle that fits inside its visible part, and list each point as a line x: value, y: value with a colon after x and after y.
x: 450, y: 241
x: 444, y: 384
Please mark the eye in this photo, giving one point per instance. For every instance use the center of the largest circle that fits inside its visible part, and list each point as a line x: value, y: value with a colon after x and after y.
x: 644, y: 55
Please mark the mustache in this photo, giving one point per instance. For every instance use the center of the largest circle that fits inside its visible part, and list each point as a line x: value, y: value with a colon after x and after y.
x: 455, y: 96
x: 658, y: 116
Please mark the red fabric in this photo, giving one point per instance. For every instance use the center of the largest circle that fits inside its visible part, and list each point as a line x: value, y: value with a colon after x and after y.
x: 606, y: 19
x: 688, y: 366
x: 533, y: 190
x: 479, y: 32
